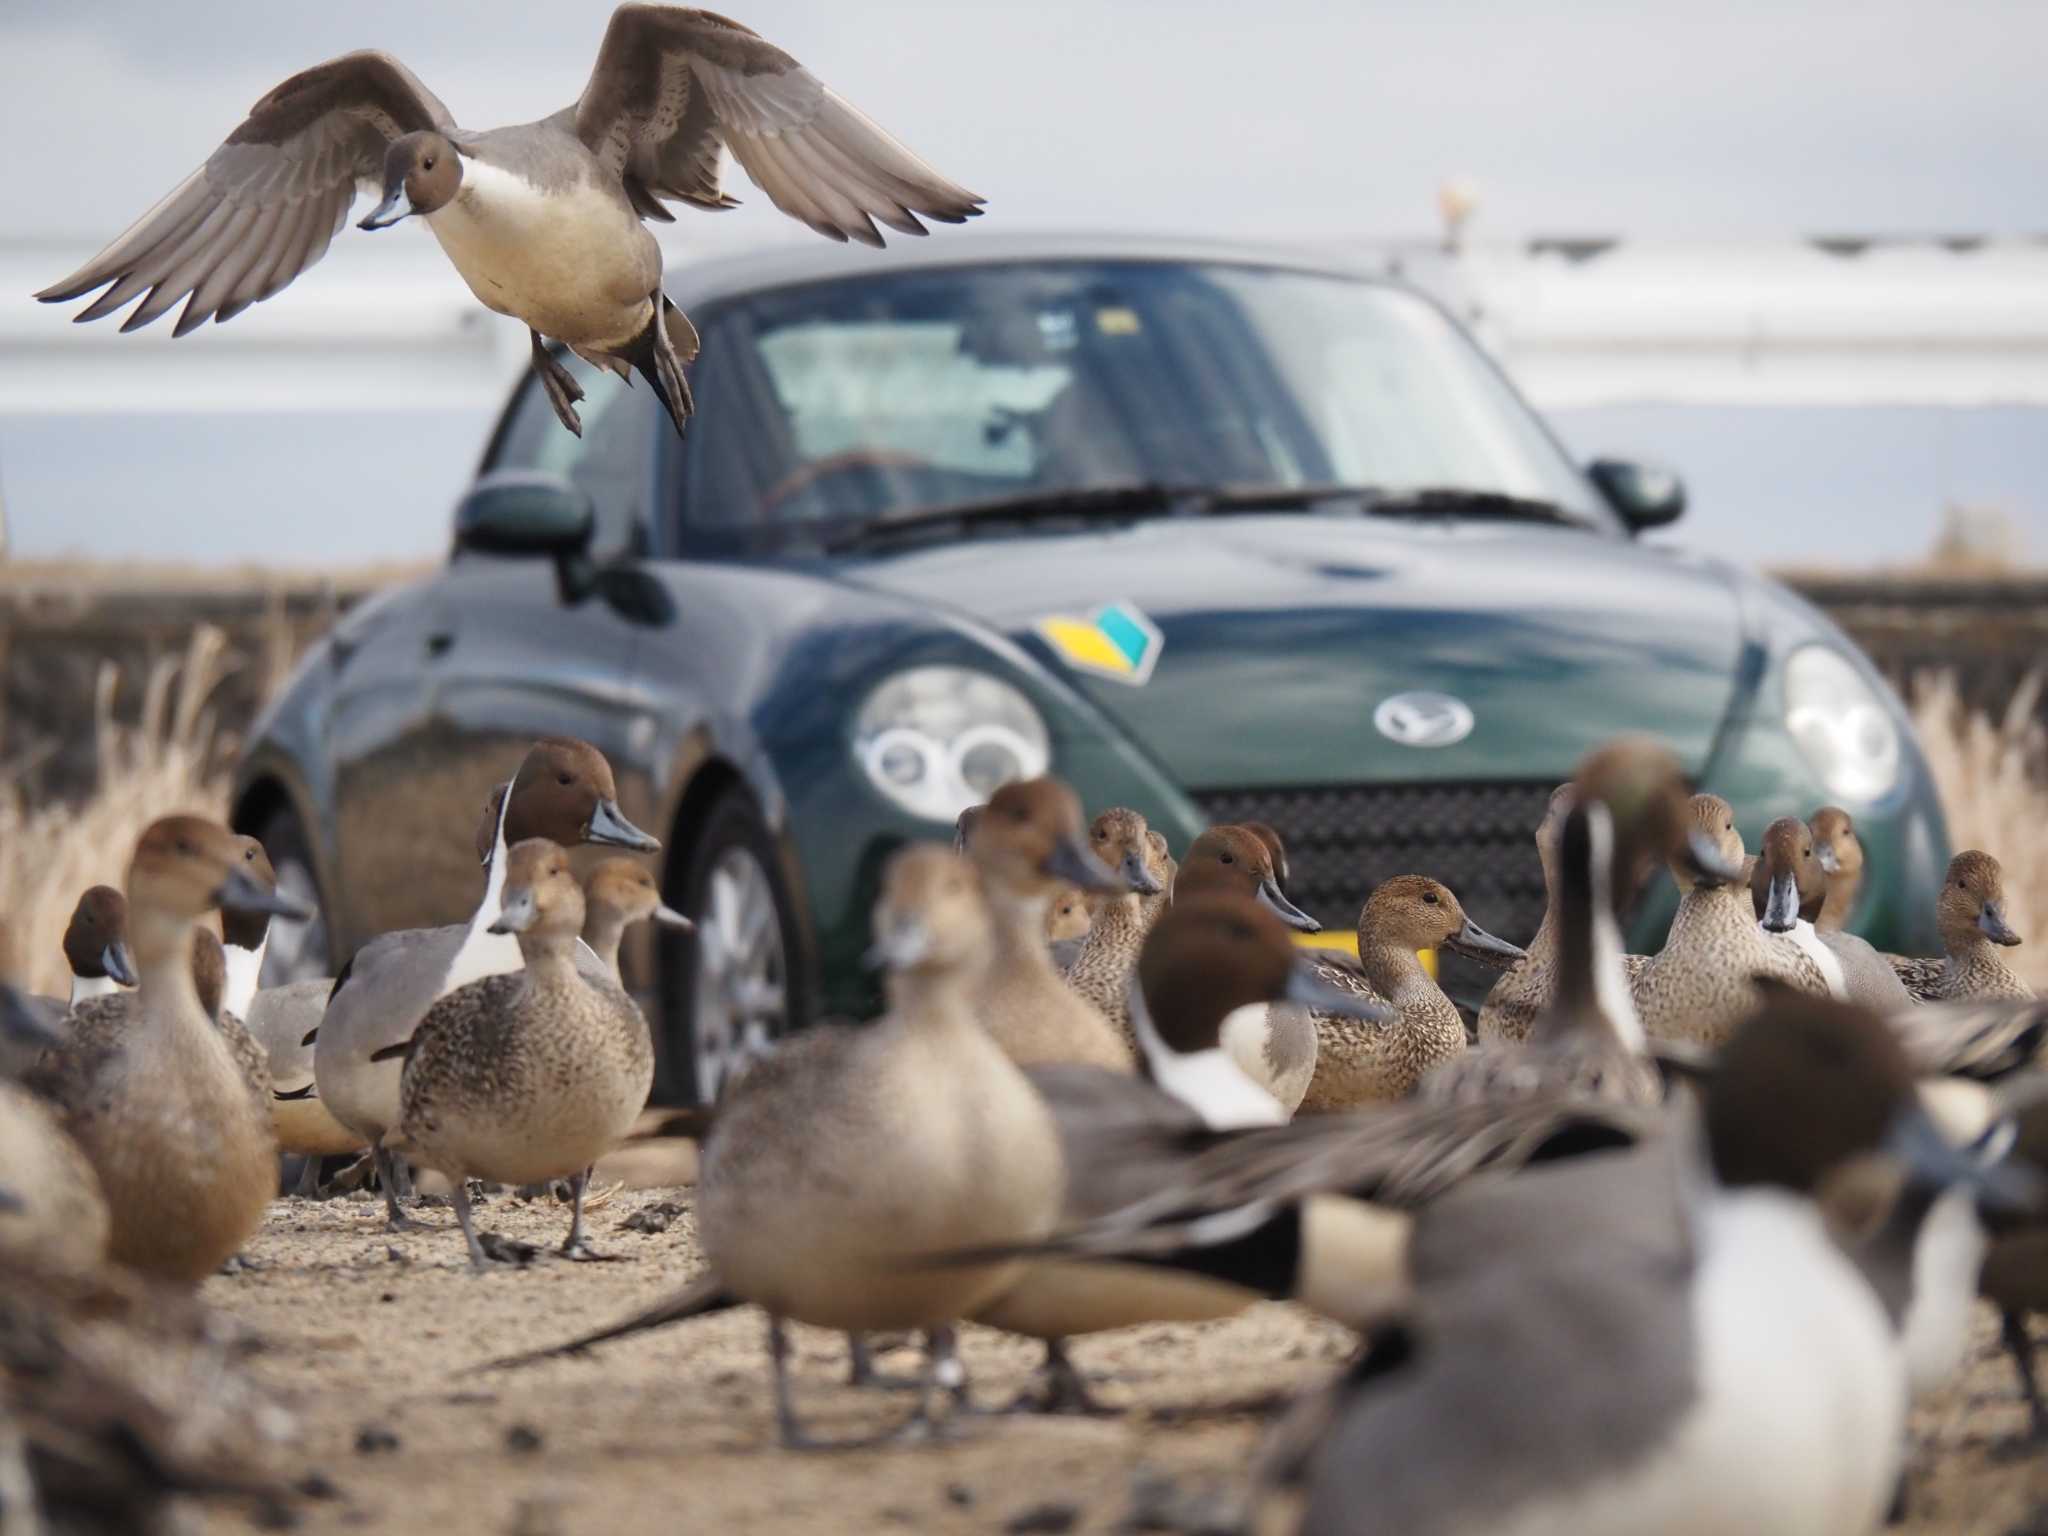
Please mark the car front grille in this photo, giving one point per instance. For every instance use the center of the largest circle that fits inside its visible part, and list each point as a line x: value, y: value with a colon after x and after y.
x: 1344, y: 839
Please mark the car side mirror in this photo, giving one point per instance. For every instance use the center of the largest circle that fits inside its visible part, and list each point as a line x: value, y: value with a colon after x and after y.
x: 524, y: 512
x: 1644, y: 495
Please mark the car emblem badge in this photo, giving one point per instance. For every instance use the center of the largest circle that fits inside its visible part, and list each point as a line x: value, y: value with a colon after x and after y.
x: 1423, y: 719
x: 1115, y: 641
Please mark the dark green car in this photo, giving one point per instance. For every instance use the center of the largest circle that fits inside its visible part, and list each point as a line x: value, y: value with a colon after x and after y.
x: 1219, y: 534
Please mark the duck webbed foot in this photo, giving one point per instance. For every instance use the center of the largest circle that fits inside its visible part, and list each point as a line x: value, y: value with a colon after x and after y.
x: 562, y: 389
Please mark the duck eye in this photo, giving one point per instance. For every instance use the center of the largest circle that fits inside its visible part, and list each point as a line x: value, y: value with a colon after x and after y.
x: 565, y: 779
x: 1229, y: 858
x: 1430, y: 897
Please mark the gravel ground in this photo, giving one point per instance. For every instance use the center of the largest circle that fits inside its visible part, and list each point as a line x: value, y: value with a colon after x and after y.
x: 369, y: 1337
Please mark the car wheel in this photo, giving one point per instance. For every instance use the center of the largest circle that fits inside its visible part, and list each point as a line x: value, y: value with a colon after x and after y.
x: 729, y: 984
x: 297, y: 951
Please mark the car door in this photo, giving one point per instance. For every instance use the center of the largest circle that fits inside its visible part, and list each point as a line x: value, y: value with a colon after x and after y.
x: 491, y: 659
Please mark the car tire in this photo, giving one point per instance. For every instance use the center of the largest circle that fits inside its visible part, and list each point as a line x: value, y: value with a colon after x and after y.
x: 728, y: 989
x: 297, y: 951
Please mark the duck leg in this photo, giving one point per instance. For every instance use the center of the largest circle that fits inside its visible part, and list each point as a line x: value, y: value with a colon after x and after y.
x: 1066, y: 1390
x: 388, y: 1176
x: 573, y: 1246
x: 860, y: 1365
x: 653, y: 353
x: 479, y: 1261
x: 2019, y: 1344
x: 562, y: 389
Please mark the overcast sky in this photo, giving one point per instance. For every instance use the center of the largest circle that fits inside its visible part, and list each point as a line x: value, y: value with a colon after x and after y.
x: 1286, y: 118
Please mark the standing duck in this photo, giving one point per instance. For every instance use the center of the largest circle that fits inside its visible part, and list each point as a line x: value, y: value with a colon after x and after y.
x: 545, y: 220
x: 849, y: 1154
x: 618, y: 893
x: 1027, y: 843
x: 162, y: 1107
x: 564, y: 792
x: 1840, y: 852
x: 532, y: 1074
x: 1788, y: 889
x: 1703, y: 981
x: 1358, y: 1063
x: 1101, y: 971
x: 1970, y: 914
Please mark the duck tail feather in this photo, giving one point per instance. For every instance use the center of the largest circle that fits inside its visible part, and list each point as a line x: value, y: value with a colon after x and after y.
x: 701, y: 1297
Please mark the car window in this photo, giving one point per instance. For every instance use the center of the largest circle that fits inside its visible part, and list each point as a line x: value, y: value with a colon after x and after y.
x: 839, y: 402
x: 611, y: 461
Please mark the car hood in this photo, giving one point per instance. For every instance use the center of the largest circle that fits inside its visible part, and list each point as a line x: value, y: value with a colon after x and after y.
x: 1278, y: 638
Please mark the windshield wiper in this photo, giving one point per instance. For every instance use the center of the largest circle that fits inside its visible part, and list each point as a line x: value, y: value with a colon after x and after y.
x: 1119, y: 499
x: 1463, y: 501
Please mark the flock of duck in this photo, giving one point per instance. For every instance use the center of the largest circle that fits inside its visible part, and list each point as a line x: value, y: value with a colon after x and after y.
x: 1724, y: 1209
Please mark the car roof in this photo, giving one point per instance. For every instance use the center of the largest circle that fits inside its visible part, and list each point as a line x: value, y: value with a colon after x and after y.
x: 693, y: 284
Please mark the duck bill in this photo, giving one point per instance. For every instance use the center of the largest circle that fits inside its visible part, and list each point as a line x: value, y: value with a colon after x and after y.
x: 22, y: 1025
x: 1996, y: 928
x: 1703, y: 856
x: 1830, y: 862
x: 1781, y: 904
x: 2000, y: 1185
x: 1273, y: 901
x: 669, y: 917
x: 118, y: 963
x: 1306, y: 986
x: 1072, y: 862
x: 517, y: 913
x: 1138, y: 877
x: 396, y: 206
x: 899, y: 946
x: 608, y: 825
x: 240, y: 893
x: 1475, y: 943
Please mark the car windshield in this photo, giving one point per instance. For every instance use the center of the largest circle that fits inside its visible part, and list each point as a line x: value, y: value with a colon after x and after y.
x: 830, y: 406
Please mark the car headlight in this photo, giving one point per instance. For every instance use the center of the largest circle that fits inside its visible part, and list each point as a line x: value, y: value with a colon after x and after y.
x: 938, y: 739
x: 1840, y: 724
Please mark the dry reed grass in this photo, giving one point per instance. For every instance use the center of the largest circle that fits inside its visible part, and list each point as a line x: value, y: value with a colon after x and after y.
x: 1993, y: 776
x: 169, y: 761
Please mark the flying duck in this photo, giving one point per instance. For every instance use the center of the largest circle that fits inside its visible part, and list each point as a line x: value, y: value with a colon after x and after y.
x: 545, y: 221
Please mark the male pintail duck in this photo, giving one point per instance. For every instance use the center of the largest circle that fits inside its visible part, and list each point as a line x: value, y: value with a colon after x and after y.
x: 163, y: 1104
x: 55, y: 1218
x: 280, y: 1020
x: 1970, y: 914
x: 1518, y: 998
x: 1788, y: 889
x: 1840, y: 852
x: 1703, y: 981
x: 618, y: 893
x: 1656, y: 1395
x: 245, y: 937
x: 530, y: 1075
x: 1361, y: 1063
x: 1212, y: 956
x: 1101, y: 972
x: 95, y: 952
x: 124, y: 1399
x: 1669, y: 1399
x: 543, y: 220
x: 1272, y: 1044
x: 564, y: 792
x: 850, y: 1152
x: 1028, y: 841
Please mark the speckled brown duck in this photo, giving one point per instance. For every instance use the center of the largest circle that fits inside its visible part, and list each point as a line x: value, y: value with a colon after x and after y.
x: 1702, y: 983
x: 171, y: 1120
x: 1101, y: 970
x: 617, y: 893
x: 1359, y: 1062
x: 1970, y: 915
x: 1029, y: 841
x: 1840, y: 852
x: 530, y: 1075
